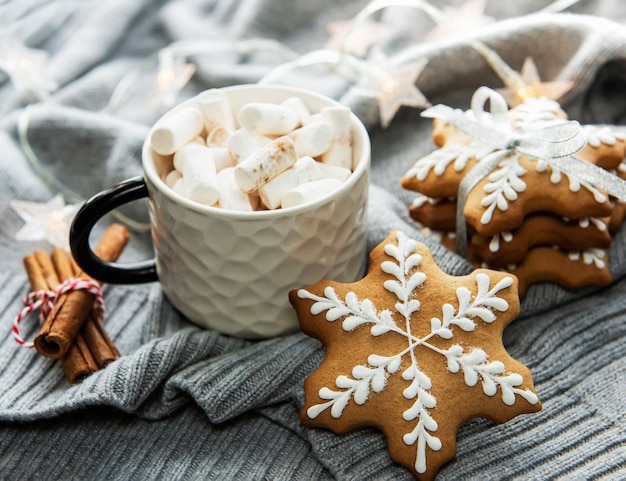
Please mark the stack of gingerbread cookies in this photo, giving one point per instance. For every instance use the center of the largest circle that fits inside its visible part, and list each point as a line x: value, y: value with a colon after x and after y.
x: 525, y: 216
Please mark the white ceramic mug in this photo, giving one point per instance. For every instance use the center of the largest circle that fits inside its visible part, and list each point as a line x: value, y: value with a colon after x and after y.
x: 228, y: 270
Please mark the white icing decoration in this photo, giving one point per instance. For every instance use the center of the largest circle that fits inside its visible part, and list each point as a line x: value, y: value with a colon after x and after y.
x: 535, y: 114
x: 419, y: 200
x: 599, y: 196
x: 494, y: 244
x: 575, y: 184
x: 541, y: 166
x: 503, y: 185
x: 440, y: 159
x: 555, y: 178
x: 438, y: 235
x: 473, y: 362
x: 586, y: 222
x: 598, y: 223
x: 602, y: 134
x: 590, y: 256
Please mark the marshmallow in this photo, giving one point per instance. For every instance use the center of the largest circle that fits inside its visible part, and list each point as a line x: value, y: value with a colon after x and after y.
x: 299, y: 107
x: 265, y: 164
x: 304, y: 170
x: 242, y: 143
x: 174, y: 131
x: 268, y: 119
x: 172, y: 177
x: 200, y: 175
x: 340, y: 152
x: 177, y: 159
x: 334, y: 171
x: 312, y: 119
x: 309, y: 192
x: 222, y: 158
x: 313, y: 139
x: 216, y: 110
x: 231, y: 196
x: 179, y: 187
x: 248, y: 168
x: 218, y: 137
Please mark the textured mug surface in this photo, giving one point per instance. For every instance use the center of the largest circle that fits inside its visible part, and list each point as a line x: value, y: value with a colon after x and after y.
x: 232, y: 271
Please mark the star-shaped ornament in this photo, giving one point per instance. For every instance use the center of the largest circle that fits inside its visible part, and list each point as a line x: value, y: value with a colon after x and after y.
x: 461, y: 20
x: 49, y: 221
x: 533, y: 87
x: 172, y: 78
x: 26, y: 67
x: 413, y: 352
x: 347, y: 37
x: 393, y: 86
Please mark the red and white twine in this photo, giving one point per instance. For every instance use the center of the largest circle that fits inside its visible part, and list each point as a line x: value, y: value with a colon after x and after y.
x: 45, y: 300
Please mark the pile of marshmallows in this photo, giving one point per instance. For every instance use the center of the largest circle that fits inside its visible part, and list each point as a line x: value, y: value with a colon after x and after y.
x: 269, y: 156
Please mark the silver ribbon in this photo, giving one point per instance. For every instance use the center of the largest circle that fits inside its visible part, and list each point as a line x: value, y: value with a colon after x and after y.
x: 555, y: 144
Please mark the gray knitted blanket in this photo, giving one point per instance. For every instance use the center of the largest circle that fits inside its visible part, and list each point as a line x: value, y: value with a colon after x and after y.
x: 187, y: 403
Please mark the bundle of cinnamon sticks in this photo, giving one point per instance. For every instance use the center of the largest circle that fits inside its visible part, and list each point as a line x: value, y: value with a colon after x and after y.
x: 73, y: 331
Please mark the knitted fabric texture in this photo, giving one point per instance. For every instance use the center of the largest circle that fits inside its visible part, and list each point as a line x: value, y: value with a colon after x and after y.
x: 187, y: 403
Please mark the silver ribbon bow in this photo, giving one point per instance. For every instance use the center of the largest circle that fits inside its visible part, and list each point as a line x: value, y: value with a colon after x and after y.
x: 555, y: 144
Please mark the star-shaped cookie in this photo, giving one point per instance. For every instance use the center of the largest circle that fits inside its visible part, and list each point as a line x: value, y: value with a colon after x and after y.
x: 413, y: 352
x: 517, y: 187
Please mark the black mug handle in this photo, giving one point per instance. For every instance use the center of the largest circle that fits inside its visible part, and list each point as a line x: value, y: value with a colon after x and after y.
x: 88, y: 215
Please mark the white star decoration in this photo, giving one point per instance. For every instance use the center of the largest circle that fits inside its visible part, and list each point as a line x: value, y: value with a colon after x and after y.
x: 461, y: 20
x: 533, y: 87
x: 49, y: 221
x: 25, y: 67
x: 394, y: 86
x: 172, y: 78
x: 356, y: 41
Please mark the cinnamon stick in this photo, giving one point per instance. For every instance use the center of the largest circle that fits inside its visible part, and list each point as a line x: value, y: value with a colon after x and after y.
x: 71, y: 310
x: 78, y: 363
x: 43, y: 275
x: 98, y: 341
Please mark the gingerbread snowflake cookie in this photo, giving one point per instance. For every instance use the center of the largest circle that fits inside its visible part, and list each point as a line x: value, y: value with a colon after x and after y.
x: 413, y: 352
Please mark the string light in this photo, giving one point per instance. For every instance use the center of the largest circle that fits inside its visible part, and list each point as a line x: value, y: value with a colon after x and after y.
x: 171, y: 79
x: 391, y: 82
x: 558, y: 6
x: 47, y: 221
x: 26, y: 68
x: 456, y: 20
x: 532, y: 86
x: 461, y: 20
x: 174, y: 72
x: 395, y: 87
x: 388, y: 84
x: 365, y: 35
